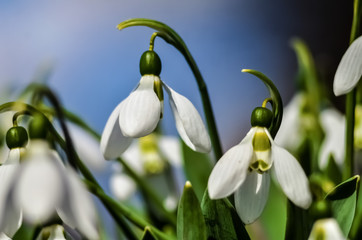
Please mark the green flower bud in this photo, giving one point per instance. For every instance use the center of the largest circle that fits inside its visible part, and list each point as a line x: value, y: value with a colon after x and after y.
x: 16, y: 137
x: 38, y: 127
x: 261, y: 117
x: 150, y: 63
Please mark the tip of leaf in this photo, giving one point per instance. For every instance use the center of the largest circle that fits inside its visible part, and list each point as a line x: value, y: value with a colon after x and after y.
x: 245, y: 70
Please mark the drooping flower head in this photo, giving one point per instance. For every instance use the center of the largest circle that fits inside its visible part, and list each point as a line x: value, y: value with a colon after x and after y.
x: 139, y: 114
x: 245, y: 171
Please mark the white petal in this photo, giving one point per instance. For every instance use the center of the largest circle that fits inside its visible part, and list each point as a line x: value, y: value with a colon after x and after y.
x: 333, y: 124
x: 327, y: 229
x: 113, y: 143
x: 349, y: 70
x: 39, y: 187
x: 14, y: 156
x: 291, y: 177
x: 10, y: 215
x: 232, y: 168
x: 171, y: 147
x: 251, y: 196
x: 122, y: 186
x: 188, y: 122
x: 78, y: 210
x: 140, y: 111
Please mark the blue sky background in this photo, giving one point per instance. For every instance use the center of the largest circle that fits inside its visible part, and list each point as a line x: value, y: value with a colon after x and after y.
x: 95, y: 66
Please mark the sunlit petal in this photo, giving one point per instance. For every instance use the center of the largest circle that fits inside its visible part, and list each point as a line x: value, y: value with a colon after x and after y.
x: 113, y: 143
x: 188, y: 122
x: 231, y: 170
x: 140, y: 111
x: 291, y: 177
x: 349, y: 70
x: 251, y: 196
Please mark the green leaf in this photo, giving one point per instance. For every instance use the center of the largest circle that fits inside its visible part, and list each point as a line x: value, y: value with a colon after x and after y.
x: 333, y: 171
x: 197, y: 169
x: 190, y: 221
x: 343, y: 201
x: 222, y: 221
x: 275, y: 96
x: 148, y: 234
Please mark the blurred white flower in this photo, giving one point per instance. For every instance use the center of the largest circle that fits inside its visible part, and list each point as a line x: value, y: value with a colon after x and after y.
x: 244, y: 170
x: 87, y: 148
x: 139, y: 114
x: 41, y: 187
x: 150, y: 157
x: 349, y: 70
x: 326, y: 229
x: 296, y: 125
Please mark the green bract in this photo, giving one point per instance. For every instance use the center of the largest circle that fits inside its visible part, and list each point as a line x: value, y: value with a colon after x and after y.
x: 150, y: 63
x: 16, y: 137
x: 261, y: 117
x: 38, y: 127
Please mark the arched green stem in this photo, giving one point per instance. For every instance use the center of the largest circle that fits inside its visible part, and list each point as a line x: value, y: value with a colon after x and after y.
x: 17, y: 114
x: 171, y: 37
x: 276, y: 102
x: 266, y: 101
x: 152, y: 40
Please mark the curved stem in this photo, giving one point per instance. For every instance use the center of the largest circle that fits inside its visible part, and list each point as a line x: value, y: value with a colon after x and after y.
x: 171, y: 37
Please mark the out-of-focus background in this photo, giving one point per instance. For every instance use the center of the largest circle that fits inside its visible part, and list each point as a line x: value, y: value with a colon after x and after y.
x: 92, y: 66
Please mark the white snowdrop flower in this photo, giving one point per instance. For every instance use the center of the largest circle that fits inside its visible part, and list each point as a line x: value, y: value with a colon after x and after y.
x: 326, y: 229
x: 245, y: 171
x: 349, y: 70
x: 43, y: 187
x: 139, y: 114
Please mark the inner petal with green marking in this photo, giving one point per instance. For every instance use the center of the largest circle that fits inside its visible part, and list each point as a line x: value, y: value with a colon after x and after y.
x: 261, y: 161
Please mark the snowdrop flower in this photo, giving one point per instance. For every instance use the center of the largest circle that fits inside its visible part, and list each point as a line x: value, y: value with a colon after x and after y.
x: 326, y: 229
x: 245, y: 171
x: 297, y: 124
x: 139, y: 114
x: 41, y: 187
x: 150, y: 157
x: 349, y: 70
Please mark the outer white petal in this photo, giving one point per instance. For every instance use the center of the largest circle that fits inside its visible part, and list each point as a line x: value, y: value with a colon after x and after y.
x: 10, y: 215
x: 113, y: 143
x: 333, y: 124
x: 188, y: 122
x: 291, y: 177
x: 327, y: 229
x: 287, y: 135
x: 232, y: 168
x: 122, y: 186
x: 77, y: 210
x: 251, y: 196
x: 39, y: 187
x: 140, y: 111
x: 349, y: 70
